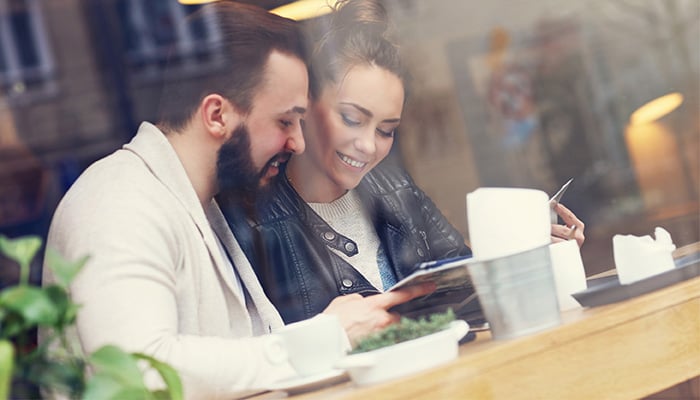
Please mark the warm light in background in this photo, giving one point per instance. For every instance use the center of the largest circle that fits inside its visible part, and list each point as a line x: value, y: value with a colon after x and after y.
x: 298, y: 10
x: 305, y: 9
x: 656, y: 108
x: 655, y: 157
x: 191, y: 2
x: 654, y: 153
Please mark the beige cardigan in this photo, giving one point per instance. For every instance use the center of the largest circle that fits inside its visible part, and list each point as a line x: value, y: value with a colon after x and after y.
x: 156, y: 281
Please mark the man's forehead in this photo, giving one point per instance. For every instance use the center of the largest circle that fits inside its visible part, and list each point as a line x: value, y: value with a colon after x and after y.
x: 284, y: 87
x: 281, y: 66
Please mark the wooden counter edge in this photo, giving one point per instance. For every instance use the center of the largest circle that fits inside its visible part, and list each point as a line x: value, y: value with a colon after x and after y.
x: 579, y: 327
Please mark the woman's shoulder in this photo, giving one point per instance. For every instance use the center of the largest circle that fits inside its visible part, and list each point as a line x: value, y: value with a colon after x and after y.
x: 387, y: 177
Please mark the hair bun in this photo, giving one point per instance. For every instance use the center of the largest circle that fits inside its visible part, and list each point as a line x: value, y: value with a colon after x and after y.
x: 357, y: 32
x: 361, y: 15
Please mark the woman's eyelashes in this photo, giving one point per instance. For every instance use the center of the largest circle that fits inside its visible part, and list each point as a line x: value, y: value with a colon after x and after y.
x: 386, y: 134
x: 349, y: 121
x: 352, y: 122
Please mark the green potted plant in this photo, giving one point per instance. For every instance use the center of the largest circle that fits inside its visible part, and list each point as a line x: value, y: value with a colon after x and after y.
x: 405, y: 348
x: 406, y: 329
x: 26, y: 367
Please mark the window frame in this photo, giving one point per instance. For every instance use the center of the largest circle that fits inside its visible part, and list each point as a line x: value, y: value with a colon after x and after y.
x: 14, y: 78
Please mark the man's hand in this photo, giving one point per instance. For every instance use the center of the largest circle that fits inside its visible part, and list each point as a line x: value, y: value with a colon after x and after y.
x: 564, y: 232
x: 361, y: 316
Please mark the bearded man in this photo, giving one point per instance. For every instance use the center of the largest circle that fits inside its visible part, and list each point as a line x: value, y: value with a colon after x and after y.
x: 166, y: 276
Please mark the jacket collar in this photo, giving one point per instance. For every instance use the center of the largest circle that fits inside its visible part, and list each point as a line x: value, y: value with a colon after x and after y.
x: 154, y: 149
x: 291, y: 203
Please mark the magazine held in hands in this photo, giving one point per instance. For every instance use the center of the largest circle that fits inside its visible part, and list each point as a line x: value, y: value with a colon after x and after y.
x: 454, y: 290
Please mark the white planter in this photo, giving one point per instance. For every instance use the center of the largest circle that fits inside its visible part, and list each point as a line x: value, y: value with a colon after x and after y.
x: 405, y: 358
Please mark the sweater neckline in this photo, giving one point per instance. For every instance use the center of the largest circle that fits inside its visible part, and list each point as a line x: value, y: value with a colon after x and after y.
x: 341, y: 206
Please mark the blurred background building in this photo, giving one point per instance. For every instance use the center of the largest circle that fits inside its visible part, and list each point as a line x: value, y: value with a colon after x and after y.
x: 523, y: 94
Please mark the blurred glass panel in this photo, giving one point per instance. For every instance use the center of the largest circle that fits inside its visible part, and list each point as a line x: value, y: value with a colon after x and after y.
x: 524, y: 94
x: 530, y: 94
x: 160, y: 21
x: 26, y: 62
x: 130, y: 35
x: 3, y: 63
x: 23, y: 33
x: 150, y: 29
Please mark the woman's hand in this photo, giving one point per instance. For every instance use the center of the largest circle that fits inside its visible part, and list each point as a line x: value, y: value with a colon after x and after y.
x: 572, y: 226
x: 361, y: 316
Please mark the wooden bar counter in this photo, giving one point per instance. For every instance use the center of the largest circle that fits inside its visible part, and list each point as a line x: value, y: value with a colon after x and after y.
x: 625, y: 350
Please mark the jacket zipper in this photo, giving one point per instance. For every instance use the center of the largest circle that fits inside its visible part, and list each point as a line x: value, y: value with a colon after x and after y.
x: 425, y: 239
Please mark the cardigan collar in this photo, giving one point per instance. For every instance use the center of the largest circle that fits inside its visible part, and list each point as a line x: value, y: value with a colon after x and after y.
x: 151, y: 145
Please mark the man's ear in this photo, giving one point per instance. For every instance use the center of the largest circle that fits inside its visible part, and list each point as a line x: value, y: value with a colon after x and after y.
x: 218, y: 115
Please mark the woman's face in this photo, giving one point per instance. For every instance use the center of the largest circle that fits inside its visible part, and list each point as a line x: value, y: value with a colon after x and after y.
x: 351, y: 127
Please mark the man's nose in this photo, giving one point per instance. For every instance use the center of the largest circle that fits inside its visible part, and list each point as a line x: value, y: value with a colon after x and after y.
x: 295, y: 142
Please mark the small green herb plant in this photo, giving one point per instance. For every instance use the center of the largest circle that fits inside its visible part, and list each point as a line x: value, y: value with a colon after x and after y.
x: 406, y: 329
x: 24, y: 366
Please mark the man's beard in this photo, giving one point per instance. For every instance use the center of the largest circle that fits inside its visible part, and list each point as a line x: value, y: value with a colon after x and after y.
x: 236, y: 175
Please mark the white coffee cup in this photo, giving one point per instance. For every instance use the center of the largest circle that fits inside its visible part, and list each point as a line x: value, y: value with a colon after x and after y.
x: 637, y: 258
x: 314, y: 345
x: 506, y: 221
x: 569, y: 274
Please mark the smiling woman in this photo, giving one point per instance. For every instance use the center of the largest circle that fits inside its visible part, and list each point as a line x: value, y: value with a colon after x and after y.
x: 349, y: 131
x: 338, y: 220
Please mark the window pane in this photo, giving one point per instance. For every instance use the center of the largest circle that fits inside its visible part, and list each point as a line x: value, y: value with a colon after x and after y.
x: 3, y: 63
x: 197, y: 29
x: 20, y: 22
x: 161, y: 23
x: 130, y: 37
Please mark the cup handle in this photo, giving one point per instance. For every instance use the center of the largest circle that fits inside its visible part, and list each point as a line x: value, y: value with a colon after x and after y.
x: 459, y: 328
x: 356, y: 361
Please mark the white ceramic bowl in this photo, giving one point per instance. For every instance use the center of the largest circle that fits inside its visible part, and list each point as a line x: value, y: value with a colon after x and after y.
x: 405, y: 358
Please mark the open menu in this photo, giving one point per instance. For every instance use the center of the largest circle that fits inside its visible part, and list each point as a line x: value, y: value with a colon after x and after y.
x: 454, y: 290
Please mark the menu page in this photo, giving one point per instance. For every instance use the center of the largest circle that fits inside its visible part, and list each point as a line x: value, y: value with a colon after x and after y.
x: 454, y: 290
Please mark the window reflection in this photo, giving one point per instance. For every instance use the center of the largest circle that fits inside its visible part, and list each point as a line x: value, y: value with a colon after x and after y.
x: 25, y: 58
x: 503, y: 94
x: 151, y: 28
x: 533, y: 95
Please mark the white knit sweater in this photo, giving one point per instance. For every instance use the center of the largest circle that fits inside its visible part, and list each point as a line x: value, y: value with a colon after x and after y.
x: 348, y: 217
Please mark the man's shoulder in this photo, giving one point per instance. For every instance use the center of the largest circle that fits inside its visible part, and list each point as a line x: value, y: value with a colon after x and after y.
x: 114, y: 201
x: 117, y: 184
x: 121, y: 170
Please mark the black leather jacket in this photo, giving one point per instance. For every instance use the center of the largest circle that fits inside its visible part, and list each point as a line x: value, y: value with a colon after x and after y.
x: 289, y: 246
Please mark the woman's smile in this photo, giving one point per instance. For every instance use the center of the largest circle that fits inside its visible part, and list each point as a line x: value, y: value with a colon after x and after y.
x: 351, y: 161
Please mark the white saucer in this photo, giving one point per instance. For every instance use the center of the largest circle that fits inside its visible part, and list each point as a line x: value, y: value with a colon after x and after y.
x: 305, y: 383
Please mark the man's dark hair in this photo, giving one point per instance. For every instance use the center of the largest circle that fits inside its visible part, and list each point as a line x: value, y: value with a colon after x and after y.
x: 246, y: 36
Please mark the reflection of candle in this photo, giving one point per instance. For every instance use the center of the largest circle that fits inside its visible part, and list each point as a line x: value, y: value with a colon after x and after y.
x: 654, y: 155
x: 656, y: 108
